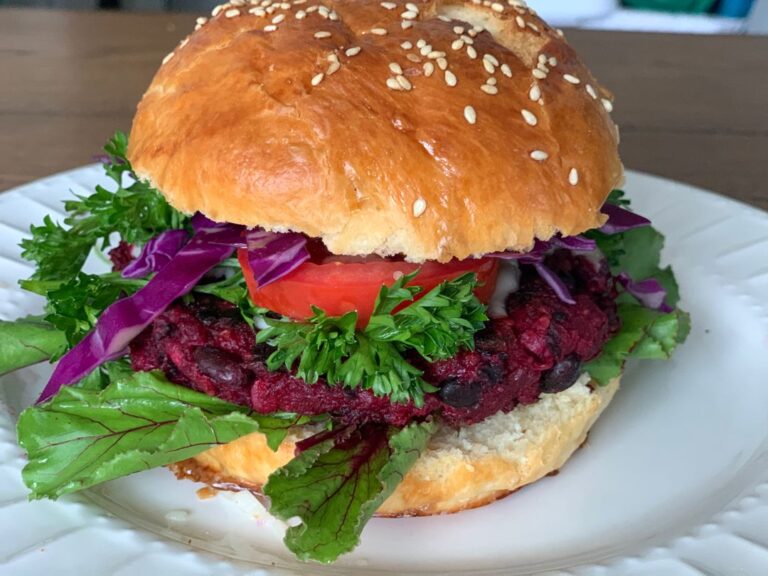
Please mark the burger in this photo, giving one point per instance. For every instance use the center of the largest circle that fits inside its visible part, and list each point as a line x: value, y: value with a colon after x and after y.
x: 367, y: 258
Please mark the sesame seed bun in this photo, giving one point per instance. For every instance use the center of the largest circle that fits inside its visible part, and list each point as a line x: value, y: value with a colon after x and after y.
x: 461, y: 469
x: 436, y: 130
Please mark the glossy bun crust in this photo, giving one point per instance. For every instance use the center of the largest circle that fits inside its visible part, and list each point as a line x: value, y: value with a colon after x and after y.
x: 433, y: 129
x: 461, y: 469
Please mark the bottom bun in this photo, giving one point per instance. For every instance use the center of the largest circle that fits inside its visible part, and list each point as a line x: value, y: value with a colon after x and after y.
x: 462, y: 468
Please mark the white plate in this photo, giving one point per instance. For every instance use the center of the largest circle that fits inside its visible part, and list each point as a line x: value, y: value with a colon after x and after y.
x: 673, y: 481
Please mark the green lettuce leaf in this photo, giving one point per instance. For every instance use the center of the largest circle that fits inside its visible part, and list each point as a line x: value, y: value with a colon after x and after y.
x: 645, y: 334
x: 28, y: 341
x: 336, y: 484
x: 85, y: 436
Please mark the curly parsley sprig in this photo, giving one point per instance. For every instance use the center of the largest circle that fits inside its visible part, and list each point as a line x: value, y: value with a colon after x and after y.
x: 436, y: 327
x: 135, y: 211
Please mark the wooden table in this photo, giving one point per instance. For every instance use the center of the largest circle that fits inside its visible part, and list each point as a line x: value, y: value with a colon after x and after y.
x: 692, y: 108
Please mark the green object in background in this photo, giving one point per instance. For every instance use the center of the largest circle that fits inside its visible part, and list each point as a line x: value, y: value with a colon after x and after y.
x: 691, y: 6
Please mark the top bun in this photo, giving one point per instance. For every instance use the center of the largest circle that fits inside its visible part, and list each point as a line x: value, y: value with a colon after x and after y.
x: 432, y: 129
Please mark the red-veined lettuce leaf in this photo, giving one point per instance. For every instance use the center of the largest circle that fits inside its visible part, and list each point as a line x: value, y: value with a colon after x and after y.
x: 334, y: 485
x: 84, y: 436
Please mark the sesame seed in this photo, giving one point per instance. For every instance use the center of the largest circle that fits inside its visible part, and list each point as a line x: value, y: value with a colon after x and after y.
x: 322, y: 34
x: 471, y: 52
x: 409, y: 15
x: 324, y: 11
x: 202, y: 20
x: 607, y: 104
x: 217, y: 9
x: 496, y: 7
x: 489, y: 89
x: 419, y: 207
x: 300, y: 15
x: 406, y: 45
x: 542, y: 58
x: 379, y: 31
x: 332, y: 57
x: 571, y: 79
x: 442, y: 63
x: 573, y: 177
x: 491, y: 58
x: 532, y: 26
x: 450, y: 78
x: 491, y: 81
x: 488, y: 65
x: 183, y: 42
x: 535, y: 93
x: 237, y: 2
x: 395, y: 68
x: 553, y: 61
x: 393, y: 84
x: 539, y: 155
x: 354, y: 51
x: 539, y: 74
x: 332, y: 68
x: 467, y: 39
x: 232, y: 13
x: 429, y: 69
x: 389, y: 5
x: 520, y: 21
x: 591, y: 91
x: 312, y: 9
x: 458, y: 30
x: 436, y: 54
x: 529, y: 117
x: 472, y: 32
x: 168, y: 57
x: 470, y: 115
x: 412, y: 7
x: 413, y: 58
x: 403, y: 81
x: 420, y: 43
x: 443, y: 18
x: 405, y: 24
x: 560, y: 32
x: 426, y: 49
x: 285, y: 6
x: 506, y: 70
x: 317, y: 79
x: 270, y: 28
x: 277, y: 19
x: 457, y: 44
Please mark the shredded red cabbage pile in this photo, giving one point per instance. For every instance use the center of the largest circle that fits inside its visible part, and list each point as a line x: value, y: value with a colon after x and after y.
x: 271, y: 255
x: 156, y: 253
x: 179, y: 266
x: 648, y: 292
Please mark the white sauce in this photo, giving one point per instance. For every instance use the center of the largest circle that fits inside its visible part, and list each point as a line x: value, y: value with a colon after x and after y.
x: 507, y: 282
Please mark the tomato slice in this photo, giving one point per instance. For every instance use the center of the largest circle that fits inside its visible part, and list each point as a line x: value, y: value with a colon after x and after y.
x: 339, y: 284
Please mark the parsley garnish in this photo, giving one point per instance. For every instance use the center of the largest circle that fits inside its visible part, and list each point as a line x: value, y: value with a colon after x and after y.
x: 136, y: 212
x: 435, y: 327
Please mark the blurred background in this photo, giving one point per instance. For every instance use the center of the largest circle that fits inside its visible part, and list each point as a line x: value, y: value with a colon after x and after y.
x: 691, y: 16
